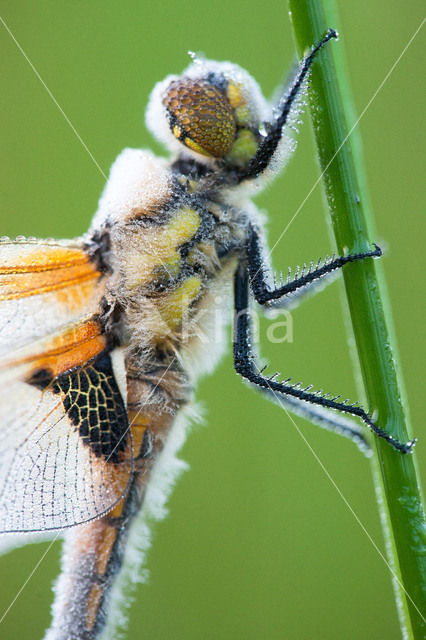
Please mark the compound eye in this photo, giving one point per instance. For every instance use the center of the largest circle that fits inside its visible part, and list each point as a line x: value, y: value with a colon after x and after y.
x: 200, y: 116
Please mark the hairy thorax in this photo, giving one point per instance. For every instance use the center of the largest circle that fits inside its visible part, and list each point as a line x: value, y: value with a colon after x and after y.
x: 173, y: 259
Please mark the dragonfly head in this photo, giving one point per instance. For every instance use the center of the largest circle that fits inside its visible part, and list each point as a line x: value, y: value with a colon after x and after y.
x: 214, y: 109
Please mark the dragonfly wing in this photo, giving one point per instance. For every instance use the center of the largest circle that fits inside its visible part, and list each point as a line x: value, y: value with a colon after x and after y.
x: 65, y: 448
x: 44, y: 285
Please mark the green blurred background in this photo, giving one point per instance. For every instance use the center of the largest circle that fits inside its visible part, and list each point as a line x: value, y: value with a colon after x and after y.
x: 258, y: 543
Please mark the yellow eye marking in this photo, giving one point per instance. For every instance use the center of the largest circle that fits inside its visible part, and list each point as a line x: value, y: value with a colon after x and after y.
x: 197, y: 147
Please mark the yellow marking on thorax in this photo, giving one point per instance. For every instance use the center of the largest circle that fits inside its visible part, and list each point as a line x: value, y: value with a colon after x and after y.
x: 163, y: 246
x: 182, y: 227
x: 174, y: 306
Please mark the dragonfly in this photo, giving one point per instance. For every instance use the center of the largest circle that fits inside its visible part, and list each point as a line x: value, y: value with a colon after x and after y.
x: 102, y: 338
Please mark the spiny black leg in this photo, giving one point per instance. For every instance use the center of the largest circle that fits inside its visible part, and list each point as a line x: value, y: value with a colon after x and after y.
x: 245, y: 365
x: 316, y: 414
x: 261, y: 290
x: 333, y: 421
x: 270, y: 142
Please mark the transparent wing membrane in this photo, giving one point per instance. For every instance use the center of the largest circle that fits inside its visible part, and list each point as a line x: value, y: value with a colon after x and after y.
x: 65, y: 454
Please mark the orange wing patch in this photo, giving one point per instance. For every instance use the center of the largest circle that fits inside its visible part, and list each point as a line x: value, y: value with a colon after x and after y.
x: 71, y: 349
x: 45, y: 268
x: 45, y: 285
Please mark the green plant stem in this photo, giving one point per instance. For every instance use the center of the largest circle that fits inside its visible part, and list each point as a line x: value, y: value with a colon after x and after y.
x: 397, y: 485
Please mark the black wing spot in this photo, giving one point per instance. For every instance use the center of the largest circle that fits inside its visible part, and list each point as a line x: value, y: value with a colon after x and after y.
x: 40, y: 379
x: 93, y: 402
